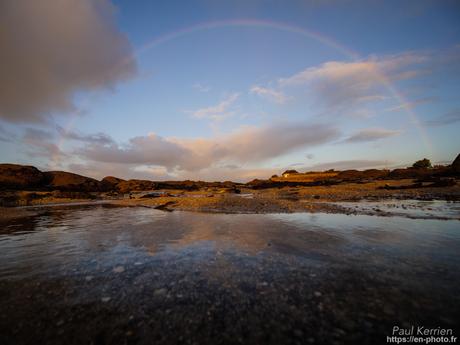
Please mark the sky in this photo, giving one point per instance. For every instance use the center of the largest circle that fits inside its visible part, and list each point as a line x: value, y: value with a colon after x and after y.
x: 228, y: 90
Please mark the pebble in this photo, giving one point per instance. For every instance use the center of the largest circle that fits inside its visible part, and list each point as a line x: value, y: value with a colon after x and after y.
x: 118, y: 269
x: 298, y: 333
x: 105, y: 299
x: 318, y: 294
x: 159, y: 292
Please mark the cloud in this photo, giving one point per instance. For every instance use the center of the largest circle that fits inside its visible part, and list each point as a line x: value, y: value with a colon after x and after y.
x: 219, y: 111
x: 448, y: 118
x: 371, y: 134
x: 276, y: 96
x: 351, y: 164
x: 341, y: 85
x: 50, y: 50
x: 98, y: 138
x: 149, y: 150
x: 246, y: 145
x: 99, y: 170
x: 40, y: 143
x: 412, y: 104
x: 223, y: 174
x: 202, y: 88
x: 6, y: 136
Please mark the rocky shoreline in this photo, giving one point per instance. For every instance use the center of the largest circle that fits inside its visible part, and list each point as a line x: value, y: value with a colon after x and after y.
x: 309, y: 192
x: 332, y: 199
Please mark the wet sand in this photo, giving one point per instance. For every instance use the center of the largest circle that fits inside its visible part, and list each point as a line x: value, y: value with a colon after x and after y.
x: 102, y: 274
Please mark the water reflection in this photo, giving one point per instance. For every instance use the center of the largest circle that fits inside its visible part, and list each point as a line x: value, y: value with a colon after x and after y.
x: 58, y: 238
x: 105, y: 274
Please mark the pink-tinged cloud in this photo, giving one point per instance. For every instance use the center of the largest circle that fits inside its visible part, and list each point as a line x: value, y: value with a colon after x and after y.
x: 245, y: 146
x: 345, y: 84
x: 51, y: 50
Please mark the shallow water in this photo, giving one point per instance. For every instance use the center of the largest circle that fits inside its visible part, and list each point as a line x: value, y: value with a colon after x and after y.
x: 179, y: 277
x: 421, y: 209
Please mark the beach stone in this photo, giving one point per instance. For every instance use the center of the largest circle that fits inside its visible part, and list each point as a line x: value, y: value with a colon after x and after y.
x: 118, y: 269
x: 160, y: 292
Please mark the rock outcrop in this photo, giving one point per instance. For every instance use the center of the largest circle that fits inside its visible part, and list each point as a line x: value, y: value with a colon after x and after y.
x: 15, y: 176
x: 135, y: 185
x: 409, y: 173
x: 65, y: 181
x: 456, y: 165
x: 356, y: 175
x: 110, y: 183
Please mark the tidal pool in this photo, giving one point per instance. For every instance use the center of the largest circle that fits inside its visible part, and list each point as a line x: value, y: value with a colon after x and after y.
x: 100, y: 274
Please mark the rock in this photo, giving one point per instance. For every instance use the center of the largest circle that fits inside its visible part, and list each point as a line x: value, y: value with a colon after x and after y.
x: 409, y: 173
x: 135, y: 185
x: 375, y: 174
x: 349, y: 175
x: 118, y: 269
x: 65, y: 181
x: 456, y: 164
x: 160, y: 292
x: 356, y: 175
x: 165, y: 206
x: 231, y: 190
x: 15, y: 176
x: 110, y: 182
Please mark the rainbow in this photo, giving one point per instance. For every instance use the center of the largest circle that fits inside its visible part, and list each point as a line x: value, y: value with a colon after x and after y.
x: 310, y: 34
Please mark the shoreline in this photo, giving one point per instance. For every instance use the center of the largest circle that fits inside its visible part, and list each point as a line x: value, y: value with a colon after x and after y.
x: 349, y: 199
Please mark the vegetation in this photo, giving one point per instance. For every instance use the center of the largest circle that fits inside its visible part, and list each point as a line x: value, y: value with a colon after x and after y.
x: 422, y: 164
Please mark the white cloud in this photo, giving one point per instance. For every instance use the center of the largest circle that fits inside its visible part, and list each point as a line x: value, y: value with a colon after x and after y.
x: 219, y: 111
x: 276, y: 96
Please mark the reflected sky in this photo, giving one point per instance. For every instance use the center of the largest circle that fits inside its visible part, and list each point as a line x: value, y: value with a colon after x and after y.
x: 94, y: 239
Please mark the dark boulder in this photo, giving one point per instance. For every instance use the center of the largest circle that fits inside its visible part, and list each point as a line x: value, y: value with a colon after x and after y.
x: 15, y: 176
x: 349, y: 175
x: 109, y: 183
x: 410, y: 173
x: 65, y: 181
x: 456, y: 165
x: 375, y: 174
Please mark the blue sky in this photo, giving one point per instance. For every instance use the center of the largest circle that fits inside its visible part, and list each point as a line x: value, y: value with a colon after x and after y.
x: 228, y: 89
